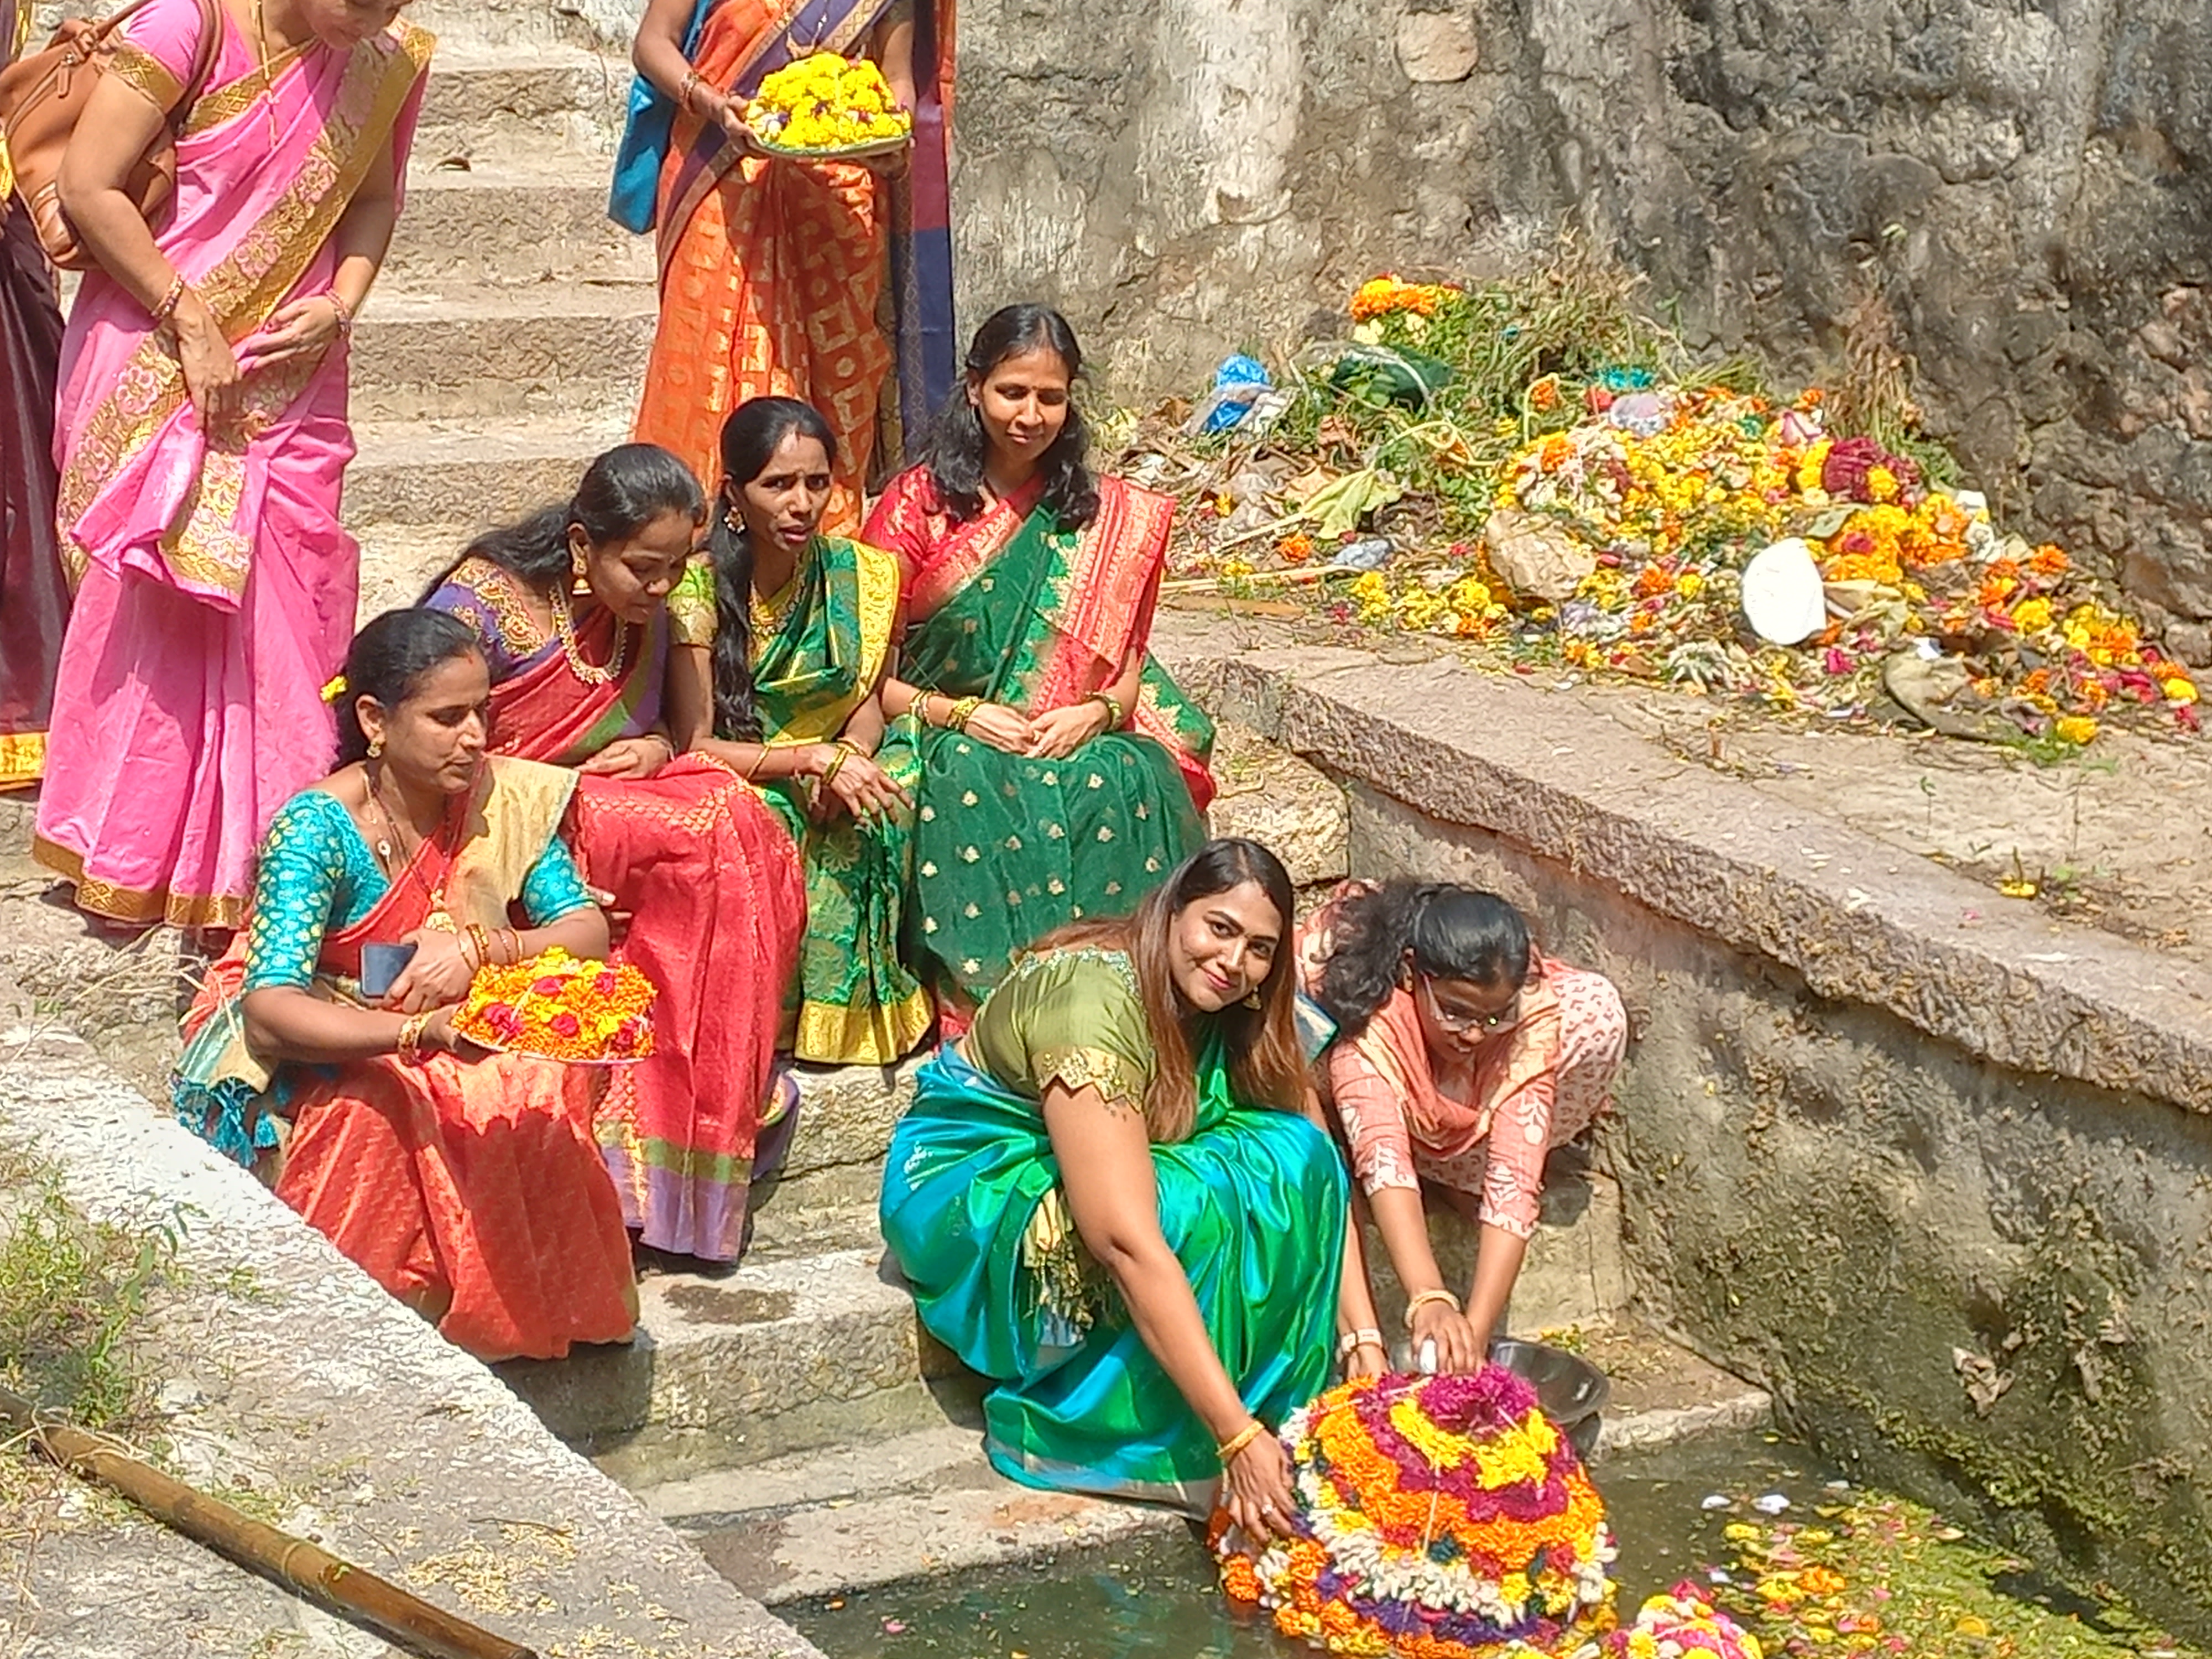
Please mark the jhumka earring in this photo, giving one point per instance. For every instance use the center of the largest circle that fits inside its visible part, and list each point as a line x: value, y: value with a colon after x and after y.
x: 733, y: 520
x: 376, y: 747
x: 1252, y: 1001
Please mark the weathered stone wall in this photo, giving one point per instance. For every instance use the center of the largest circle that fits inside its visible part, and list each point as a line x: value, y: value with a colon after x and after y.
x: 1944, y: 1188
x: 2017, y: 193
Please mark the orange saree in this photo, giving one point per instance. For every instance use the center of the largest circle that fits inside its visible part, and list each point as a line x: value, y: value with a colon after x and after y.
x: 472, y: 1190
x: 769, y: 285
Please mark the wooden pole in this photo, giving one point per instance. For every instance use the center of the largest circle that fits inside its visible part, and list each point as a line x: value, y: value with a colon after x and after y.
x: 299, y: 1565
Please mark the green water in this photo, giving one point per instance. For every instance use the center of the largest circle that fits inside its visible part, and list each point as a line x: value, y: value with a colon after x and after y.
x: 1154, y: 1598
x: 1819, y: 1569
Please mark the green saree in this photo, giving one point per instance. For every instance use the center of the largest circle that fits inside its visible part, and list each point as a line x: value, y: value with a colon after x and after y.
x: 1014, y: 610
x: 1253, y: 1205
x: 819, y: 648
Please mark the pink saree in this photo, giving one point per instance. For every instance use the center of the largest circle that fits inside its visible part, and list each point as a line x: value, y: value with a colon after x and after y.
x: 216, y: 590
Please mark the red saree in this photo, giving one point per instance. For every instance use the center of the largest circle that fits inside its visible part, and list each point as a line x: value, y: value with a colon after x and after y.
x: 717, y: 903
x: 470, y: 1190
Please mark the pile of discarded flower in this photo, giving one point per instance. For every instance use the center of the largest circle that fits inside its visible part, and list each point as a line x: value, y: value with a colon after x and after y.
x: 1694, y: 532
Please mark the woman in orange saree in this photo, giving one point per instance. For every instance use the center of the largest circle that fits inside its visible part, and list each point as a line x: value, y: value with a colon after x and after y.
x: 203, y: 438
x: 704, y: 870
x: 770, y: 269
x: 466, y: 1184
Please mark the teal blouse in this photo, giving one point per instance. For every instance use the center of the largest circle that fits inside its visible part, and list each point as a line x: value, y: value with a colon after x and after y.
x: 318, y: 875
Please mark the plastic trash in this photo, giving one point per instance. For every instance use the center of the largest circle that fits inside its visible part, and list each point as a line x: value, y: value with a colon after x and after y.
x: 1369, y: 553
x: 1269, y: 407
x: 1773, y: 1503
x: 1237, y: 385
x: 1784, y: 600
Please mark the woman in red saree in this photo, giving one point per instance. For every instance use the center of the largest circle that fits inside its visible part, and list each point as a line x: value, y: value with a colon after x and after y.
x: 1064, y: 773
x: 771, y: 269
x: 203, y: 438
x: 595, y: 625
x: 466, y: 1184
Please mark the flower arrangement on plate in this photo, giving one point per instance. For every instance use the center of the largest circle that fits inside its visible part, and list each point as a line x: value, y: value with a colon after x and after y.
x: 1682, y: 1625
x: 1440, y: 1517
x: 827, y: 107
x: 561, y: 1007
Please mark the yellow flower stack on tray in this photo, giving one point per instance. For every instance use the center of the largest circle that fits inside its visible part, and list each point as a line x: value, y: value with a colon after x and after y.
x: 828, y: 105
x: 561, y: 1007
x: 1441, y: 1517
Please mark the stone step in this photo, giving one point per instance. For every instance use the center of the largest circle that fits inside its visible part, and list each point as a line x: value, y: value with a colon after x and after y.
x: 603, y: 25
x: 484, y: 100
x: 466, y: 352
x: 474, y: 473
x: 508, y: 225
x: 928, y: 1502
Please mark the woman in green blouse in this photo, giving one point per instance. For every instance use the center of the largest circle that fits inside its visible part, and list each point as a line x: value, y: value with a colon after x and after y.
x: 1112, y: 1197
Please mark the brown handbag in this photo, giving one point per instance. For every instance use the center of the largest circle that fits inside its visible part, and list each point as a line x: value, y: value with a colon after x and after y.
x: 42, y: 98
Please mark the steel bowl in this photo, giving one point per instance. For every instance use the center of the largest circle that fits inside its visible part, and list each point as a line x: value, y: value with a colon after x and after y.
x: 1572, y: 1392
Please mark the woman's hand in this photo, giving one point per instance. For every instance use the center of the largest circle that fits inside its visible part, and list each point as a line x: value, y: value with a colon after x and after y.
x: 1002, y: 727
x: 1060, y: 734
x: 630, y: 757
x: 1365, y: 1360
x: 212, y: 377
x: 436, y: 975
x: 439, y: 1034
x: 302, y: 330
x: 1255, y: 1489
x: 1460, y: 1349
x: 729, y: 115
x: 863, y: 789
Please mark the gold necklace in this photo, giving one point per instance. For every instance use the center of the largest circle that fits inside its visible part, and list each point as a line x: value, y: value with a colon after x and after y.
x: 768, y: 614
x: 564, y: 625
x: 268, y: 97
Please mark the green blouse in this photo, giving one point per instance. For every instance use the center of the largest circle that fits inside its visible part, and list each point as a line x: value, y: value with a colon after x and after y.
x: 1069, y: 1016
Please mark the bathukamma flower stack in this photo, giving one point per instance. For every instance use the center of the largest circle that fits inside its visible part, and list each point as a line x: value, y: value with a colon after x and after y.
x: 1439, y: 1518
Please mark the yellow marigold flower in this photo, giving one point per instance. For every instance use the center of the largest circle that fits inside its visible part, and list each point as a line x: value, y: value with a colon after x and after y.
x: 2032, y: 616
x: 2178, y: 687
x: 1881, y: 483
x: 1690, y: 584
x: 2077, y: 729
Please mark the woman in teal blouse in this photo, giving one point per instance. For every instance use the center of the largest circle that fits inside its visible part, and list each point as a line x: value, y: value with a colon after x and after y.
x: 1112, y: 1198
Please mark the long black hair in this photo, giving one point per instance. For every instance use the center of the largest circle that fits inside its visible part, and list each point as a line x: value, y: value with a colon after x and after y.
x: 620, y: 493
x: 388, y: 659
x: 1453, y: 933
x: 957, y: 442
x: 755, y: 430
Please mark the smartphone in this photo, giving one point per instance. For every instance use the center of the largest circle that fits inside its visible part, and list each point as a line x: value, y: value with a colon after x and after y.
x: 380, y: 968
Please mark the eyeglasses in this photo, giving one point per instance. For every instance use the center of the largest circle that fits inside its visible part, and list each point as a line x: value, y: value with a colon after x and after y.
x: 1458, y: 1023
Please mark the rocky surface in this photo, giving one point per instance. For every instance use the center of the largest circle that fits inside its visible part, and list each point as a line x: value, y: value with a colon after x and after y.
x: 1934, y: 1169
x: 2009, y: 200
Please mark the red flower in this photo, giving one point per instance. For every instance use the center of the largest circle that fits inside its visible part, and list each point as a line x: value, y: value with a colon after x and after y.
x: 548, y: 985
x: 564, y: 1024
x: 606, y: 983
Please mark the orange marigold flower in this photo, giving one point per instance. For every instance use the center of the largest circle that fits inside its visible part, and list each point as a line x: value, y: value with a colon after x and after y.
x: 2048, y: 561
x: 1653, y: 581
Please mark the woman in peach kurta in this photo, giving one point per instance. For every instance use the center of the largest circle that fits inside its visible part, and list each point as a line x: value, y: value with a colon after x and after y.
x: 771, y: 269
x: 1463, y: 1058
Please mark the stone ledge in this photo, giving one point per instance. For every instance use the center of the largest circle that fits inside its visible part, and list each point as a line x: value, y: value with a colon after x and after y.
x: 1798, y: 888
x: 286, y: 1373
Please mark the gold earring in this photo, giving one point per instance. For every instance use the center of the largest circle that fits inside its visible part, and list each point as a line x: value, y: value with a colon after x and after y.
x: 1252, y: 1001
x: 733, y: 520
x: 376, y: 747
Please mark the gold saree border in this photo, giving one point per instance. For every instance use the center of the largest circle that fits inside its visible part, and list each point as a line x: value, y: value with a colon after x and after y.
x: 22, y: 759
x: 138, y: 907
x: 825, y: 1034
x: 243, y: 288
x: 146, y: 74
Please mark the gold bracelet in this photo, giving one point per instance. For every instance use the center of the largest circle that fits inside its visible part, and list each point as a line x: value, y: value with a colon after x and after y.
x: 167, y: 310
x: 684, y: 93
x: 408, y: 1044
x: 1421, y: 1299
x: 963, y: 712
x: 1236, y: 1442
x: 1365, y: 1337
x: 845, y: 752
x: 1113, y: 708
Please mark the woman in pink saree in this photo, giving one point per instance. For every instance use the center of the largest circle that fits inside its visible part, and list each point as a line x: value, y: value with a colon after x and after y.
x: 201, y: 436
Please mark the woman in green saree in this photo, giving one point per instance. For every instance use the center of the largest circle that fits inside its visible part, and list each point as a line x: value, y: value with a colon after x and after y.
x: 1113, y: 1198
x: 1063, y: 775
x: 804, y: 633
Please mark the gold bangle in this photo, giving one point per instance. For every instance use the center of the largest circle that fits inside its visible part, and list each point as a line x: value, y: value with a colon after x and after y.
x: 1421, y: 1299
x: 1236, y: 1442
x: 167, y: 310
x: 845, y: 752
x: 684, y: 93
x: 1113, y: 708
x: 407, y: 1047
x: 964, y: 710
